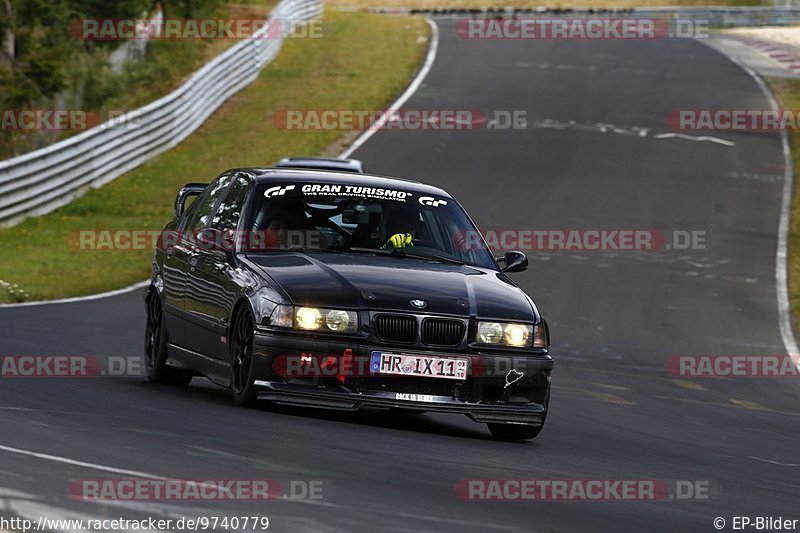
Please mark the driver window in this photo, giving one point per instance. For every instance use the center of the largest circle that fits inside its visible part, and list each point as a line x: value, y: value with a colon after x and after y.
x: 205, y: 205
x: 226, y: 218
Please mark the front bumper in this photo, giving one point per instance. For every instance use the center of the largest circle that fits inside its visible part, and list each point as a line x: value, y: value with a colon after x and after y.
x: 484, y: 396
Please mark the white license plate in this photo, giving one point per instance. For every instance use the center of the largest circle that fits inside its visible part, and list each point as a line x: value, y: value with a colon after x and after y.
x: 431, y: 366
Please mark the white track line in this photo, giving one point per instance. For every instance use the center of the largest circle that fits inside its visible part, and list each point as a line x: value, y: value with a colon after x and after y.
x: 412, y: 88
x: 360, y: 140
x: 109, y: 294
x: 92, y: 466
x: 781, y: 276
x: 698, y: 138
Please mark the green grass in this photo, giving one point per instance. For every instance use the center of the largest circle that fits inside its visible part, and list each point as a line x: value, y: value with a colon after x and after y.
x: 788, y: 92
x: 362, y: 62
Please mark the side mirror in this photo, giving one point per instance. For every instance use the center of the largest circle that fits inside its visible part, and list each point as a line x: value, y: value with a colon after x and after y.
x: 186, y: 192
x: 514, y: 261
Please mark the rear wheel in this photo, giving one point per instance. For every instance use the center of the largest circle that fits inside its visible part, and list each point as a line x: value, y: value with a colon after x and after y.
x: 241, y: 343
x: 155, y: 347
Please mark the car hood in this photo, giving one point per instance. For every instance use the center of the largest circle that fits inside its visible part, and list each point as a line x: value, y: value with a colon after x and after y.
x: 373, y: 282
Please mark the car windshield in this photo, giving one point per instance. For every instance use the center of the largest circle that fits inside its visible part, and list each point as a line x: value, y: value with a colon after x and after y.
x: 360, y: 219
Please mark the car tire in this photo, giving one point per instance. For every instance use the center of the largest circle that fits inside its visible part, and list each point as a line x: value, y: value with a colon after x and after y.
x: 242, y: 361
x: 514, y: 431
x: 405, y: 411
x: 155, y: 347
x: 519, y: 432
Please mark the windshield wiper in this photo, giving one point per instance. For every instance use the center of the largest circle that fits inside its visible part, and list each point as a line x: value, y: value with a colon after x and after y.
x: 428, y: 257
x: 404, y: 253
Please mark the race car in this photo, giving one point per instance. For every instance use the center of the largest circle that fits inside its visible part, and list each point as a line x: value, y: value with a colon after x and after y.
x: 342, y: 291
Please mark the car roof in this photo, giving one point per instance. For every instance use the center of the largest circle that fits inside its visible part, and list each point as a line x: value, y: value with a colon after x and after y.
x: 285, y: 175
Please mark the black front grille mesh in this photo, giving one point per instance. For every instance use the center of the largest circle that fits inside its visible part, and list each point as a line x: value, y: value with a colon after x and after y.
x: 442, y: 332
x: 415, y: 385
x: 396, y: 328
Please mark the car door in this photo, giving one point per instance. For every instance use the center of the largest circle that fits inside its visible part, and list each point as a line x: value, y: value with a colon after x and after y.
x: 176, y: 264
x: 184, y: 253
x: 211, y: 276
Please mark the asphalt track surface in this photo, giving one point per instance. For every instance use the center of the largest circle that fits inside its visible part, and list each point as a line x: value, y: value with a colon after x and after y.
x: 615, y: 318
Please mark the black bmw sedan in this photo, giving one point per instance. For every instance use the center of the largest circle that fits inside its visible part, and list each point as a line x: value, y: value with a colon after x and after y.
x: 340, y: 290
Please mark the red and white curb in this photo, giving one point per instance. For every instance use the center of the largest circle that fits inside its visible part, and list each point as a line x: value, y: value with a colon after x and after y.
x: 788, y: 58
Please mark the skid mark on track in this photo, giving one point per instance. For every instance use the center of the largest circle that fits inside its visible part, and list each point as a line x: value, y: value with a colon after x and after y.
x: 603, y: 127
x: 747, y: 404
x: 770, y: 461
x: 754, y: 176
x: 688, y: 385
x: 609, y: 398
x: 452, y: 521
x: 742, y: 404
x: 587, y: 68
x: 610, y: 386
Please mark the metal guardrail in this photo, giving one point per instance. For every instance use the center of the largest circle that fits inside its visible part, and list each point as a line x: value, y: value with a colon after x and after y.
x: 727, y: 17
x: 721, y: 16
x: 43, y: 180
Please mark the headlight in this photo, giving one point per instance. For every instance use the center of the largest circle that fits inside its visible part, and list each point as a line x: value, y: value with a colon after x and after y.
x: 308, y: 318
x: 314, y: 319
x: 326, y: 320
x: 490, y: 332
x: 338, y: 320
x: 517, y: 334
x: 504, y: 334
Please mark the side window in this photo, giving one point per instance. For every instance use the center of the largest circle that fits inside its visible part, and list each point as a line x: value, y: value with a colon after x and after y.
x: 226, y: 218
x: 204, y: 206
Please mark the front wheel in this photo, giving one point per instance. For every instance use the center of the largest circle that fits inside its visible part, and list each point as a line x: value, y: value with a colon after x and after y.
x: 514, y: 431
x: 155, y: 347
x: 519, y: 431
x: 241, y: 343
x: 404, y: 411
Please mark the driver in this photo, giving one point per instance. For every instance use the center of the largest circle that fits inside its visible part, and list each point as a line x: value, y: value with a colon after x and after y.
x: 280, y: 224
x: 401, y: 227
